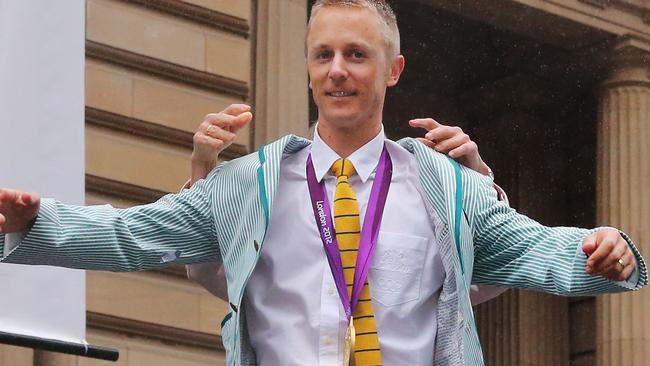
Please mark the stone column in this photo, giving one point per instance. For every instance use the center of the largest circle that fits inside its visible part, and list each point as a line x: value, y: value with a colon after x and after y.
x: 623, y: 196
x: 524, y: 328
x: 281, y: 94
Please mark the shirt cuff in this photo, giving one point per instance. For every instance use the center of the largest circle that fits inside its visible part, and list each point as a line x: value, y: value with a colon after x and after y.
x: 12, y: 240
x: 633, y: 280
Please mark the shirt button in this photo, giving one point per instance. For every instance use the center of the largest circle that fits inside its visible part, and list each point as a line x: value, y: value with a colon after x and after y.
x: 331, y: 291
x: 328, y: 341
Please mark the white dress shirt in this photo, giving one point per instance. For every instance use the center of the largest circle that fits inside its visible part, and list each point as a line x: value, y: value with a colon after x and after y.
x: 294, y: 313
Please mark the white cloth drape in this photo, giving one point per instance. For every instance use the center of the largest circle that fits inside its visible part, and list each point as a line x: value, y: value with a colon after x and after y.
x: 42, y: 149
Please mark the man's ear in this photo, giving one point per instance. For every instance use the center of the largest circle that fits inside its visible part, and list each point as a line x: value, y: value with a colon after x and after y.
x: 396, y: 68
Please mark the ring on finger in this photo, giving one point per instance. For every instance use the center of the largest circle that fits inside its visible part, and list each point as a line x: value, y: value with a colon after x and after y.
x: 621, y: 262
x: 209, y: 130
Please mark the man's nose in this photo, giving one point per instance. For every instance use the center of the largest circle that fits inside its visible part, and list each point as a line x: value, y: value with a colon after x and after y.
x: 338, y: 68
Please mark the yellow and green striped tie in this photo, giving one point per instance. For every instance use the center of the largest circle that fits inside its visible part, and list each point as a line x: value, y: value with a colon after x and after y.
x: 348, y: 230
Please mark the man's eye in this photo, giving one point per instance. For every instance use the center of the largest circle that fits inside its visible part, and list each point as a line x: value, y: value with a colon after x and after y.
x: 358, y: 54
x: 323, y: 55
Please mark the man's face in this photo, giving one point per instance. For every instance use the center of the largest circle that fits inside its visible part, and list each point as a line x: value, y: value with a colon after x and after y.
x: 349, y: 67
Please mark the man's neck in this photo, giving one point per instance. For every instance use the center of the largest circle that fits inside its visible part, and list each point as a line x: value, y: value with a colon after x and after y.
x: 346, y: 141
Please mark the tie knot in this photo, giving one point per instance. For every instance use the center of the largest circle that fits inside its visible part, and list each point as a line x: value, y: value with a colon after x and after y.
x: 343, y: 167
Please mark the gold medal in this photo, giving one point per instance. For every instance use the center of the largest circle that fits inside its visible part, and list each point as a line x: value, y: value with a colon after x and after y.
x: 348, y: 352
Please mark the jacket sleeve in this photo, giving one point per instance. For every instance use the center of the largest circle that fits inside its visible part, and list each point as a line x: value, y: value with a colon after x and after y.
x: 513, y: 250
x: 177, y: 229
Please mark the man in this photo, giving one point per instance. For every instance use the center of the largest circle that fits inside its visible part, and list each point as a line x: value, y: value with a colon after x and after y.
x: 266, y: 216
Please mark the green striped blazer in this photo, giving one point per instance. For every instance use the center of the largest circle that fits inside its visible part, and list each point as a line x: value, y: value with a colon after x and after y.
x: 225, y: 218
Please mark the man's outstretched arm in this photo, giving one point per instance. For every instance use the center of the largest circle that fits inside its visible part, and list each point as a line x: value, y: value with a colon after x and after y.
x: 515, y: 251
x: 176, y: 229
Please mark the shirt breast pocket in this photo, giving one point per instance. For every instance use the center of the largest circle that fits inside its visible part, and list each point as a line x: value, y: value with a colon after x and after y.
x: 397, y: 266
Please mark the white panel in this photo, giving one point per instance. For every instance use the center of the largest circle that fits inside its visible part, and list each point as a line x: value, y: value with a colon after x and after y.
x: 42, y: 149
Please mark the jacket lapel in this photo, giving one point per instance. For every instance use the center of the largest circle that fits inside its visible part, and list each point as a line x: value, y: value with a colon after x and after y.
x: 268, y: 173
x: 438, y: 180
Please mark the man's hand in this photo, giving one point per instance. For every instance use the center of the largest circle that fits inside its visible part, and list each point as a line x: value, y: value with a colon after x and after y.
x: 609, y: 254
x: 451, y: 141
x: 216, y: 133
x: 18, y: 210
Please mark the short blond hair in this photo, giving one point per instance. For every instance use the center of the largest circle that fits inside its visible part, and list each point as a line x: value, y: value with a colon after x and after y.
x: 383, y: 9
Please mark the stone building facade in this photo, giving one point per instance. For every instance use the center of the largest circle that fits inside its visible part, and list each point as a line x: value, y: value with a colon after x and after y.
x: 556, y: 93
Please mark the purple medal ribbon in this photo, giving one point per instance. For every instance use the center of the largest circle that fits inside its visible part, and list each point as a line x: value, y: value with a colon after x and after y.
x: 369, y: 232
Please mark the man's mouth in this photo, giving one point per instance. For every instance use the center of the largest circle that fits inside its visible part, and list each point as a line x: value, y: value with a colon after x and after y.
x: 341, y: 94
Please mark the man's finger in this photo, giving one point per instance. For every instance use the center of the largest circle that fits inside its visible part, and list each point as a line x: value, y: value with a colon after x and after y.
x: 242, y: 120
x: 451, y: 143
x: 463, y: 150
x: 11, y: 197
x: 630, y: 265
x: 7, y: 196
x: 30, y: 199
x: 443, y: 132
x: 220, y: 119
x: 589, y: 244
x: 611, y: 274
x: 426, y: 123
x: 429, y: 143
x: 605, y: 243
x: 216, y: 132
x: 618, y: 252
x: 236, y: 109
x: 617, y: 272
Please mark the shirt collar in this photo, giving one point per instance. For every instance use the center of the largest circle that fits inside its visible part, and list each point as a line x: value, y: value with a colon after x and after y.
x: 364, y: 159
